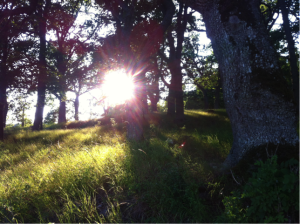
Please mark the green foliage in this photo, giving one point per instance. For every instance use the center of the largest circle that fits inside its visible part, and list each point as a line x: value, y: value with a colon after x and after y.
x: 51, y: 116
x: 271, y: 194
x: 93, y: 174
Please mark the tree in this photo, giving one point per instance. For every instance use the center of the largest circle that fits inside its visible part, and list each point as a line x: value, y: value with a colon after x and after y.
x: 175, y: 98
x: 19, y: 105
x: 257, y: 98
x: 291, y: 47
x: 136, y: 39
x: 70, y: 59
x: 42, y: 77
x: 13, y: 16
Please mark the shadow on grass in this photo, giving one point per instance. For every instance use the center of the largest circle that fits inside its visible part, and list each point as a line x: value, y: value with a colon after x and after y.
x: 169, y: 173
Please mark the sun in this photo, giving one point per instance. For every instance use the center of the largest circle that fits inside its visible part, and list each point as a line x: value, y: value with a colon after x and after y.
x: 118, y: 87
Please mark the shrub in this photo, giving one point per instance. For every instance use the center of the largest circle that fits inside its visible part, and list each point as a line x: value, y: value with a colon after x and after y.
x: 271, y: 195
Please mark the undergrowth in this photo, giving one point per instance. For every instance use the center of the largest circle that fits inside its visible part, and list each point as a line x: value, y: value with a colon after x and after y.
x: 93, y: 174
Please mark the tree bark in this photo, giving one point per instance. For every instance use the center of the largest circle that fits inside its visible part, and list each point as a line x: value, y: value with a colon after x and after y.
x: 76, y: 106
x: 292, y: 54
x: 5, y: 112
x: 42, y: 76
x: 3, y: 83
x: 171, y: 98
x: 62, y: 111
x: 257, y: 100
x: 2, y: 106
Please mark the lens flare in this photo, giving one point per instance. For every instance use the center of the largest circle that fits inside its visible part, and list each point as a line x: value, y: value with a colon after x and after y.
x: 118, y: 87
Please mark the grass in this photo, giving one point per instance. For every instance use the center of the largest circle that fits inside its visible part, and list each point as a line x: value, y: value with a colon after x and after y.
x: 94, y: 174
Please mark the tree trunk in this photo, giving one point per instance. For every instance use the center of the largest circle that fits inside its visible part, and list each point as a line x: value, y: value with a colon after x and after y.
x: 5, y: 112
x: 3, y: 83
x: 292, y: 54
x: 154, y: 100
x: 2, y: 106
x: 76, y: 106
x: 42, y: 77
x: 62, y: 111
x: 171, y: 101
x: 23, y: 118
x: 258, y: 101
x: 179, y: 97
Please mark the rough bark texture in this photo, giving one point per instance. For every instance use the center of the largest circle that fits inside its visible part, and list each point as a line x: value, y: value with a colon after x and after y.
x: 257, y: 100
x: 292, y: 54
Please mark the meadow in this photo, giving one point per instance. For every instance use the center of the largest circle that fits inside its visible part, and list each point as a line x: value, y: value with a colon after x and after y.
x: 91, y: 173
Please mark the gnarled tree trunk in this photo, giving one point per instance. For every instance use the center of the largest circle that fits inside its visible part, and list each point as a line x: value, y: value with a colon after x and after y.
x: 257, y: 100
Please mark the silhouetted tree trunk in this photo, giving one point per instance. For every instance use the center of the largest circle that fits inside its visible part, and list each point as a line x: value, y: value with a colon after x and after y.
x: 3, y: 82
x: 42, y: 76
x: 2, y: 105
x: 257, y: 98
x: 171, y: 98
x: 292, y: 54
x: 5, y: 113
x: 154, y: 92
x: 175, y: 99
x: 135, y: 112
x: 76, y: 106
x: 62, y: 111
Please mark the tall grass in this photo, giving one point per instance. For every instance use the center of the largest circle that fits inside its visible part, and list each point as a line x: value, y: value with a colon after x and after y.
x: 95, y: 175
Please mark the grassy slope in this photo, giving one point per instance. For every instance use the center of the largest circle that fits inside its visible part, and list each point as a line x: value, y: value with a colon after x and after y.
x: 95, y: 175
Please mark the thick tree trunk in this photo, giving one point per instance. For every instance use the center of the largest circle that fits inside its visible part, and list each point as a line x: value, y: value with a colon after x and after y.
x: 41, y: 95
x: 76, y: 106
x: 179, y: 97
x: 2, y: 106
x: 171, y: 101
x: 257, y: 100
x: 42, y: 76
x: 5, y: 113
x: 62, y: 111
x: 3, y: 83
x: 292, y: 54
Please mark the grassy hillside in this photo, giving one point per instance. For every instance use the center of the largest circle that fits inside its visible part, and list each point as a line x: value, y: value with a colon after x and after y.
x: 93, y: 174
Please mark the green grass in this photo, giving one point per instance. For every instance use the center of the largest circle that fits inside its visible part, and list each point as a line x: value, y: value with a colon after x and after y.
x: 94, y: 174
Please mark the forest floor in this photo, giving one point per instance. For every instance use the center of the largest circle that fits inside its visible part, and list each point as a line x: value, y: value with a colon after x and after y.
x: 94, y: 174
